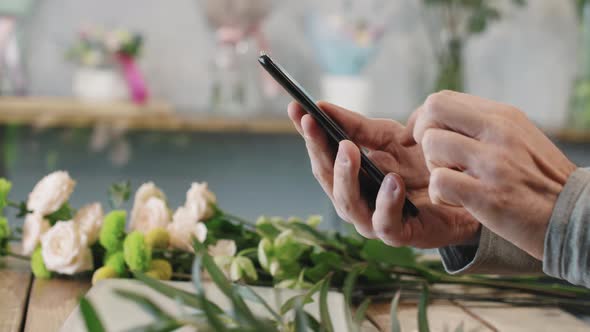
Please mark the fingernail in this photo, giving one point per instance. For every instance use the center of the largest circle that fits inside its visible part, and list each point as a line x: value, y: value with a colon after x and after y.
x: 389, y: 184
x: 341, y: 158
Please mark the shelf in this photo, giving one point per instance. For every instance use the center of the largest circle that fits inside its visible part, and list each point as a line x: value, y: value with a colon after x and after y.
x: 49, y: 112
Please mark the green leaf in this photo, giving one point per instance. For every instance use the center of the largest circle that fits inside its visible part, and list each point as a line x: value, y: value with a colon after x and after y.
x: 361, y: 312
x: 325, y: 319
x: 377, y: 251
x: 64, y: 213
x: 160, y: 326
x: 305, y: 298
x: 301, y: 322
x: 347, y: 289
x: 422, y: 310
x: 119, y: 193
x: 313, y: 323
x: 249, y: 294
x: 212, y: 317
x: 22, y: 208
x: 394, y: 320
x: 90, y: 316
x: 145, y: 303
x: 186, y: 298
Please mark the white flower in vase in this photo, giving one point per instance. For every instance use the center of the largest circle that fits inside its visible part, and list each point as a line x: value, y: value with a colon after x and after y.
x: 184, y: 228
x: 65, y: 249
x: 142, y: 195
x: 200, y: 201
x: 89, y: 220
x: 51, y: 193
x: 34, y: 226
x: 153, y: 214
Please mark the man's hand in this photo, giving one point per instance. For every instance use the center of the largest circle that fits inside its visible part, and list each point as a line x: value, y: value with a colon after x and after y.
x: 337, y: 173
x: 490, y: 159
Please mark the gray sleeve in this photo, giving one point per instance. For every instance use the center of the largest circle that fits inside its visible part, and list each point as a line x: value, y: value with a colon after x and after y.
x: 491, y: 255
x: 567, y: 241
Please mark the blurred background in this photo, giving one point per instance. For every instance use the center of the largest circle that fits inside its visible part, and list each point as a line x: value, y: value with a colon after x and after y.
x: 170, y: 91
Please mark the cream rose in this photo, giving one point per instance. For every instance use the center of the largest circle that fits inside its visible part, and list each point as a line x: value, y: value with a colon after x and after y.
x: 51, y: 193
x: 142, y: 195
x: 222, y: 248
x: 34, y: 226
x: 89, y: 220
x: 183, y: 228
x: 200, y: 201
x: 65, y: 249
x: 153, y: 214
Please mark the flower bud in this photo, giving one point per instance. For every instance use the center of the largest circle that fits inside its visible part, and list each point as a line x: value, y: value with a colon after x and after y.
x: 287, y: 248
x: 116, y: 260
x: 158, y: 238
x: 105, y: 272
x: 265, y: 251
x: 243, y: 268
x: 314, y: 220
x: 161, y: 268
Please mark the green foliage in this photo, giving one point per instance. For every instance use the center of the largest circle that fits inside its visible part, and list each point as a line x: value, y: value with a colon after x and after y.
x: 394, y: 320
x: 90, y: 316
x: 422, y: 310
x: 116, y: 261
x: 64, y: 213
x: 112, y: 232
x: 119, y: 193
x: 137, y: 253
x: 377, y: 251
x: 38, y: 266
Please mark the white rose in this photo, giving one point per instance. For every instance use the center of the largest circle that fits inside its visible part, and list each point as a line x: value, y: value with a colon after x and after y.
x: 223, y: 248
x: 65, y: 249
x: 183, y: 228
x: 33, y: 228
x: 200, y: 201
x: 153, y: 214
x: 51, y: 193
x: 142, y: 195
x: 89, y: 220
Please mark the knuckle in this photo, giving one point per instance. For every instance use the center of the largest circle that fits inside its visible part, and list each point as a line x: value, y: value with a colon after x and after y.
x: 434, y: 102
x: 435, y: 187
x: 429, y: 141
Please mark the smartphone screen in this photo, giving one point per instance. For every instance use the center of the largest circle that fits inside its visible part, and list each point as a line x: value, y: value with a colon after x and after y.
x: 370, y: 176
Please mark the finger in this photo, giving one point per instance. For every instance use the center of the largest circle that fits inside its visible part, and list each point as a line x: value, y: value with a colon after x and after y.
x: 321, y: 155
x: 408, y: 133
x: 346, y: 191
x: 387, y: 218
x: 454, y: 188
x: 295, y: 114
x: 371, y: 133
x: 453, y: 111
x: 443, y: 148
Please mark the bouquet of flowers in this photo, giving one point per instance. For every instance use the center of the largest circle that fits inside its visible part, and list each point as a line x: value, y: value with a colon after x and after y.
x: 153, y: 242
x: 99, y: 48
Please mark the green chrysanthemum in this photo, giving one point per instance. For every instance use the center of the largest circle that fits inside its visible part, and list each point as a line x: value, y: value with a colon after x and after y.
x: 160, y: 268
x: 116, y: 260
x: 112, y: 232
x: 105, y: 272
x: 158, y: 238
x: 5, y: 187
x: 38, y: 266
x: 137, y: 253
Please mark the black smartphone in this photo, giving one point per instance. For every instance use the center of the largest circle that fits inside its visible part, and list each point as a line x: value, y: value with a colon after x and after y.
x: 370, y: 176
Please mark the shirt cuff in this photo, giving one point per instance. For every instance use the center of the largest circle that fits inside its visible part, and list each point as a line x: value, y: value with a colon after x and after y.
x: 567, y: 240
x: 491, y: 255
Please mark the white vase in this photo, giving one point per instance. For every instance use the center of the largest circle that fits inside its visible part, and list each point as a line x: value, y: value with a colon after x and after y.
x: 95, y: 84
x: 350, y: 92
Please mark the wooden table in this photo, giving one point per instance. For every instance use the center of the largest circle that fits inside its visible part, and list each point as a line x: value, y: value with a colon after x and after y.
x: 29, y: 304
